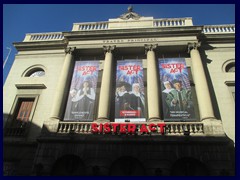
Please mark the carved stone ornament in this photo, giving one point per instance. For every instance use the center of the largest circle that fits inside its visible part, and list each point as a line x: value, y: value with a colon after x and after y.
x: 150, y: 47
x: 195, y: 45
x: 70, y: 50
x: 108, y: 49
x: 130, y: 14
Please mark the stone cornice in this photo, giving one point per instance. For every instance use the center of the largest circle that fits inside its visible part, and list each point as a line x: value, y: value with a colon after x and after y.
x: 40, y: 45
x: 218, y: 38
x: 149, y: 32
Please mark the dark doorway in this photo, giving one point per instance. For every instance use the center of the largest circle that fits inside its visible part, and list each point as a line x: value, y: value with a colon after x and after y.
x: 127, y: 166
x: 68, y: 165
x: 189, y: 167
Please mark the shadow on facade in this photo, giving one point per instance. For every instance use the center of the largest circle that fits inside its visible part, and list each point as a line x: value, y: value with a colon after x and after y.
x: 68, y: 165
x: 19, y: 147
x: 189, y: 167
x: 73, y: 154
x: 205, y: 62
x: 127, y: 166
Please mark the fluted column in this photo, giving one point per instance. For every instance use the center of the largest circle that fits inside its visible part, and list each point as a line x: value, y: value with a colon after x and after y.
x: 202, y: 91
x: 152, y: 83
x: 105, y: 91
x: 63, y: 80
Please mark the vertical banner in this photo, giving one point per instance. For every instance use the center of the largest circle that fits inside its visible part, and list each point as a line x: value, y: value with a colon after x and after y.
x: 81, y: 99
x: 129, y: 96
x: 176, y: 90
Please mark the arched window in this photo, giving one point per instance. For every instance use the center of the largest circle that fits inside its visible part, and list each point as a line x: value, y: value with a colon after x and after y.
x: 229, y: 66
x: 36, y: 73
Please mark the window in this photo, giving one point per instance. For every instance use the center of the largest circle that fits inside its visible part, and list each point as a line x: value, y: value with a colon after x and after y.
x: 25, y: 107
x: 38, y: 73
x: 34, y: 71
x: 22, y: 113
x: 229, y: 66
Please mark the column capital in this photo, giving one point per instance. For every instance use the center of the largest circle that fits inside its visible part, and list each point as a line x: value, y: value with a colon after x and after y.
x: 70, y: 50
x: 150, y: 47
x: 108, y: 49
x: 195, y: 45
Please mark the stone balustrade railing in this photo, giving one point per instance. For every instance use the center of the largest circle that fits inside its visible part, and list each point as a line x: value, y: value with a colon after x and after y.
x: 172, y: 22
x: 52, y: 36
x: 156, y: 23
x: 171, y: 128
x: 90, y: 26
x: 230, y: 28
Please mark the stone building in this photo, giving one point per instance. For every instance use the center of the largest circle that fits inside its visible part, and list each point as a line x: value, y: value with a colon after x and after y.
x: 44, y: 81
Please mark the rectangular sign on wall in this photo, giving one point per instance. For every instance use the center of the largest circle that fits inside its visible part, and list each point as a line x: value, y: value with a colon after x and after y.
x: 129, y: 95
x: 81, y: 99
x: 176, y: 90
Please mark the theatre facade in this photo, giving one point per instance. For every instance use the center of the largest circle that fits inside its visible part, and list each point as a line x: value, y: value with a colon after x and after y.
x: 131, y: 96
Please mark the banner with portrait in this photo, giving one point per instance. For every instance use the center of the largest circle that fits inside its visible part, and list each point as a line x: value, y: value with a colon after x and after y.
x: 81, y: 99
x: 176, y: 91
x: 129, y: 95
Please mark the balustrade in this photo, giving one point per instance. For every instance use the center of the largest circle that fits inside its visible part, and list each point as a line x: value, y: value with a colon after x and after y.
x: 92, y: 26
x: 173, y: 22
x: 171, y: 128
x: 44, y: 36
x: 219, y: 29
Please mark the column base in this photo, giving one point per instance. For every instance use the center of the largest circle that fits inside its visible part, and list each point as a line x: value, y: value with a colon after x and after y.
x: 54, y: 119
x: 50, y: 126
x: 155, y: 119
x: 213, y: 126
x: 102, y: 120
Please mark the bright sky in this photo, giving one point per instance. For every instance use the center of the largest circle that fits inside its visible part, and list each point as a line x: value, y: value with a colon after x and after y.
x: 19, y: 19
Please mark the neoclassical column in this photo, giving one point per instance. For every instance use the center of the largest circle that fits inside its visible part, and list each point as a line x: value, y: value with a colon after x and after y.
x: 152, y: 83
x: 61, y: 87
x: 201, y: 86
x: 105, y: 91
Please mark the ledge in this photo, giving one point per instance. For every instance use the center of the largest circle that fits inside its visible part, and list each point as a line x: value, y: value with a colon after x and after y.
x: 30, y: 86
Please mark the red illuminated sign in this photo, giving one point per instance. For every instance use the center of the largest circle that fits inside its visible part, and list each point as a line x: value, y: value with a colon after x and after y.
x: 127, y: 128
